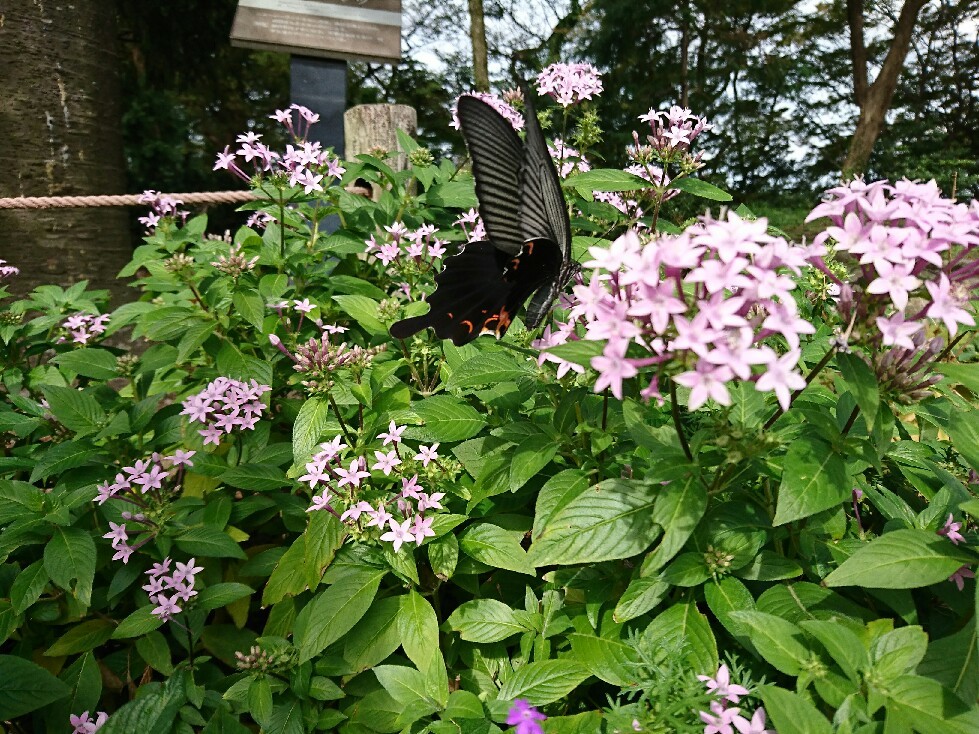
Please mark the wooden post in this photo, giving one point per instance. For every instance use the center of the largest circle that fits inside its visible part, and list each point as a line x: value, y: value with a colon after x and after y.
x: 368, y: 127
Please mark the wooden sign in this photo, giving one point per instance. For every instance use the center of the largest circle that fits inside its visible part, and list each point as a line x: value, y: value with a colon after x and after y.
x: 367, y: 30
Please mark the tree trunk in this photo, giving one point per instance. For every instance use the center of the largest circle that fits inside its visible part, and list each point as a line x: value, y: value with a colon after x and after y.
x: 477, y: 30
x: 875, y: 100
x: 61, y: 130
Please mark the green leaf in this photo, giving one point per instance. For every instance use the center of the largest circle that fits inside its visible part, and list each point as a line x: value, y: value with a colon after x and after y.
x: 605, y: 179
x: 27, y: 587
x: 94, y: 362
x: 453, y: 194
x: 250, y: 306
x: 529, y: 458
x: 842, y: 644
x: 407, y: 687
x: 82, y: 637
x: 153, y: 713
x: 962, y: 374
x: 495, y: 547
x: 791, y: 713
x: 71, y: 556
x: 77, y: 410
x: 902, y: 559
x: 612, y: 661
x: 769, y: 566
x: 610, y: 520
x: 929, y: 705
x: 544, y: 681
x: 377, y: 635
x: 953, y: 661
x: 700, y: 188
x: 153, y: 648
x: 862, y: 383
x: 289, y: 575
x: 814, y: 479
x: 208, y: 542
x: 418, y: 629
x: 85, y: 680
x: 679, y: 507
x: 963, y: 428
x: 308, y: 429
x: 726, y: 596
x: 579, y: 352
x: 220, y: 595
x: 488, y: 368
x: 485, y: 620
x: 26, y: 687
x: 258, y: 477
x: 683, y: 628
x: 323, y: 538
x: 643, y: 594
x: 363, y: 310
x: 448, y: 419
x: 332, y: 613
x: 777, y: 640
x: 260, y: 700
x: 138, y: 623
x: 62, y: 457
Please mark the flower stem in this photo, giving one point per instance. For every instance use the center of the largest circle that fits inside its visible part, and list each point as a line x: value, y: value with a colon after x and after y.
x: 677, y: 424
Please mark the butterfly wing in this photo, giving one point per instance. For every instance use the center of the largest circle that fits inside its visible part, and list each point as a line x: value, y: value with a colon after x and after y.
x: 497, y: 155
x: 472, y: 297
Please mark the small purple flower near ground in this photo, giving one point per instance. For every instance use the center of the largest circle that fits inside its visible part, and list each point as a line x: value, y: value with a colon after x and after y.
x: 525, y: 718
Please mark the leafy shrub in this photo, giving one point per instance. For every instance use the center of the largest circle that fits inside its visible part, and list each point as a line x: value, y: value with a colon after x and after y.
x: 728, y: 457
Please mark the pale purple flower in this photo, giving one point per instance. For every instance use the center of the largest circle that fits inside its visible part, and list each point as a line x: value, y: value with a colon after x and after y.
x: 755, y: 726
x: 720, y: 685
x: 353, y: 475
x: 398, y: 534
x: 393, y: 435
x: 506, y: 111
x: 166, y: 608
x: 422, y: 528
x: 320, y: 502
x: 958, y: 578
x: 386, y: 462
x: 117, y: 533
x: 429, y: 501
x: 525, y: 718
x: 569, y: 84
x: 950, y: 530
x: 427, y: 454
x: 84, y: 724
x: 720, y: 720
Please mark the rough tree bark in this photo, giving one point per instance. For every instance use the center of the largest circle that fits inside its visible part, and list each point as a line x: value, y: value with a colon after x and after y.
x: 477, y: 29
x: 60, y: 127
x: 875, y: 99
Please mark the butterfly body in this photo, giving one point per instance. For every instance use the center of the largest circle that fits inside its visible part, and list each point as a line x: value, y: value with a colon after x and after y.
x: 528, y: 250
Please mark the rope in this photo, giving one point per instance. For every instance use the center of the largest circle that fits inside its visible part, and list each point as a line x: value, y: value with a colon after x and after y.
x: 50, y: 202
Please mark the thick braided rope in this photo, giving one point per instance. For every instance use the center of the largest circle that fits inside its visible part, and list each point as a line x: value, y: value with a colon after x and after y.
x: 50, y: 202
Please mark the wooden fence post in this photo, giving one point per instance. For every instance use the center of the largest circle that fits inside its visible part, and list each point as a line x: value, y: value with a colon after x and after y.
x: 368, y: 127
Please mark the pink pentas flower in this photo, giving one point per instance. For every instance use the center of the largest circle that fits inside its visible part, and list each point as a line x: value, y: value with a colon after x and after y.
x: 720, y: 720
x: 321, y: 501
x: 950, y: 530
x: 351, y: 476
x: 755, y: 726
x: 958, y: 578
x: 570, y: 84
x: 399, y: 534
x: 507, y: 112
x: 525, y: 718
x: 720, y: 685
x: 427, y: 454
x: 393, y: 434
x: 386, y: 462
x: 85, y: 724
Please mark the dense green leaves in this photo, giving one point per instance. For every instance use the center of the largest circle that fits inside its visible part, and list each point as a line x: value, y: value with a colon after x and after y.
x: 903, y: 559
x: 26, y: 687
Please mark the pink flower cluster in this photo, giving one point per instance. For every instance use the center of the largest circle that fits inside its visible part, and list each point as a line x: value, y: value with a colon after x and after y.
x: 6, y: 270
x: 83, y: 326
x: 145, y: 485
x: 325, y: 472
x: 569, y: 84
x: 224, y: 405
x: 699, y: 307
x: 723, y: 719
x: 510, y: 114
x: 477, y: 230
x: 568, y: 160
x: 951, y: 530
x: 674, y: 130
x: 180, y: 582
x: 416, y: 245
x: 908, y: 247
x: 162, y: 206
x: 84, y: 724
x: 306, y: 163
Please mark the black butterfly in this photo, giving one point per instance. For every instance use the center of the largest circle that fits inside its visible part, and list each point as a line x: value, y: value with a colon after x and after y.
x: 528, y: 250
